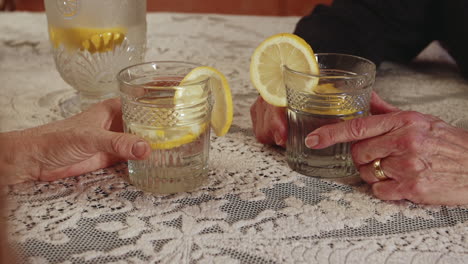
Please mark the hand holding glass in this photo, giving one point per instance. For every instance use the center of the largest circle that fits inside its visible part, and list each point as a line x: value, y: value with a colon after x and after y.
x: 174, y: 118
x: 342, y: 91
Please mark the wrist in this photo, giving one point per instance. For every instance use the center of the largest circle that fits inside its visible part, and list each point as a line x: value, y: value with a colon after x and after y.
x: 16, y: 158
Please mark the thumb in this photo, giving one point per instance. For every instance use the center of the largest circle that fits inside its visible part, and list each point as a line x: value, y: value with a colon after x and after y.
x: 125, y: 146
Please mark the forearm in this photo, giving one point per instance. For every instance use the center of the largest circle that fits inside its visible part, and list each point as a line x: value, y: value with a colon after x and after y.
x: 17, y: 157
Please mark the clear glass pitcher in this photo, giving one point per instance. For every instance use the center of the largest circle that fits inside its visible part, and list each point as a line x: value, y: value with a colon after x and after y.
x: 93, y: 40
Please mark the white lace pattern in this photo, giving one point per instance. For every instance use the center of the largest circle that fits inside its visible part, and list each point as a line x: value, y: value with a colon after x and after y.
x: 253, y: 209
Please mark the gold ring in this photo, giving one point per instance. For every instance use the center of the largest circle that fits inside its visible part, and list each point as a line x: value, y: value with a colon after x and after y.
x: 378, y: 172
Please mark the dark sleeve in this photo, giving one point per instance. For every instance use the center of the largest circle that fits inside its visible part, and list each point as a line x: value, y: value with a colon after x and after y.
x: 395, y: 30
x: 454, y: 33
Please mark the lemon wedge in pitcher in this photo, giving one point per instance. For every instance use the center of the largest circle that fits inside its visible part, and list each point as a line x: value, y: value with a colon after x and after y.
x: 90, y: 39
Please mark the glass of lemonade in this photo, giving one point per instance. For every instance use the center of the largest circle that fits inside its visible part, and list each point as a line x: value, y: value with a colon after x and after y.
x: 341, y: 92
x: 174, y: 118
x: 92, y: 41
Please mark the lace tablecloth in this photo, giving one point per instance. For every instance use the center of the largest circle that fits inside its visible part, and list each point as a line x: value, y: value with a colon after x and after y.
x: 253, y: 209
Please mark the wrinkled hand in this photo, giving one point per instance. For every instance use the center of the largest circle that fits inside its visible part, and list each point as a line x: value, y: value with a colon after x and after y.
x: 425, y: 159
x: 270, y: 124
x: 70, y: 147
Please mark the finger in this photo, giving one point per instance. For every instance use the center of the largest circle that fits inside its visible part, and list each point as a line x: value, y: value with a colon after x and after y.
x: 378, y: 106
x: 262, y: 133
x: 100, y: 115
x: 279, y: 126
x: 253, y: 113
x: 271, y: 126
x: 114, y: 107
x: 367, y: 172
x: 116, y: 125
x: 387, y: 190
x: 354, y: 129
x: 96, y: 162
x: 125, y: 146
x: 114, y: 104
x: 368, y: 150
x: 408, y: 149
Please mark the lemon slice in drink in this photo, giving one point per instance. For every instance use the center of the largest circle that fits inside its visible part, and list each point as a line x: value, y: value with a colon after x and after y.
x: 335, y: 97
x: 169, y: 138
x: 326, y: 88
x: 222, y: 113
x: 176, y: 133
x: 268, y: 59
x: 90, y: 39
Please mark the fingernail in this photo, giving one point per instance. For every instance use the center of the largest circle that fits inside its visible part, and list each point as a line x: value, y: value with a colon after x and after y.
x: 312, y: 141
x: 278, y: 139
x: 139, y: 149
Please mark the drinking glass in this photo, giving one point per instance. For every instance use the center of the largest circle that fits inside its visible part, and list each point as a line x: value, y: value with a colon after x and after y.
x: 92, y: 41
x: 174, y: 118
x: 341, y: 92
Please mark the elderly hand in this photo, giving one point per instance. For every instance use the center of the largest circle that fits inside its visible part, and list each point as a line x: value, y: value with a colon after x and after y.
x: 270, y: 124
x: 424, y: 159
x: 70, y: 147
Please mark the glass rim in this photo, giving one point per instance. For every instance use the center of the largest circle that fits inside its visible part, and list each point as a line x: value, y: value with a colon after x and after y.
x: 346, y: 77
x: 127, y: 83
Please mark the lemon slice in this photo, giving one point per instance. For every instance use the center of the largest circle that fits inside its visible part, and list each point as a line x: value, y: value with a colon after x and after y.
x: 168, y: 138
x: 222, y: 113
x: 333, y: 96
x: 221, y: 116
x: 90, y: 39
x: 326, y: 88
x: 268, y: 59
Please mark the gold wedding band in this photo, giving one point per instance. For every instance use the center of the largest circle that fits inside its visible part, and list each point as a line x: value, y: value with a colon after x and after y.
x: 378, y: 172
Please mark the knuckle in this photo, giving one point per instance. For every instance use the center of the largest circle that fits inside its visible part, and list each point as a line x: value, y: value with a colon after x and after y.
x: 416, y: 189
x: 357, y: 127
x: 410, y: 142
x: 119, y: 144
x: 413, y: 164
x: 438, y: 127
x: 413, y: 118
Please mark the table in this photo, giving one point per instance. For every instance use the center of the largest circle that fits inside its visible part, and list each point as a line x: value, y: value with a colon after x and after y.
x: 253, y: 209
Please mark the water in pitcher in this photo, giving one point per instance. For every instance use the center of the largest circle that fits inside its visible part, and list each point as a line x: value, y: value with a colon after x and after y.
x: 93, y: 40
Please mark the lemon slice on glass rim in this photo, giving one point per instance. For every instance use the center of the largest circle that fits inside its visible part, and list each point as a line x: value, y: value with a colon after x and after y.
x: 268, y: 60
x: 222, y: 112
x: 221, y: 115
x: 285, y: 49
